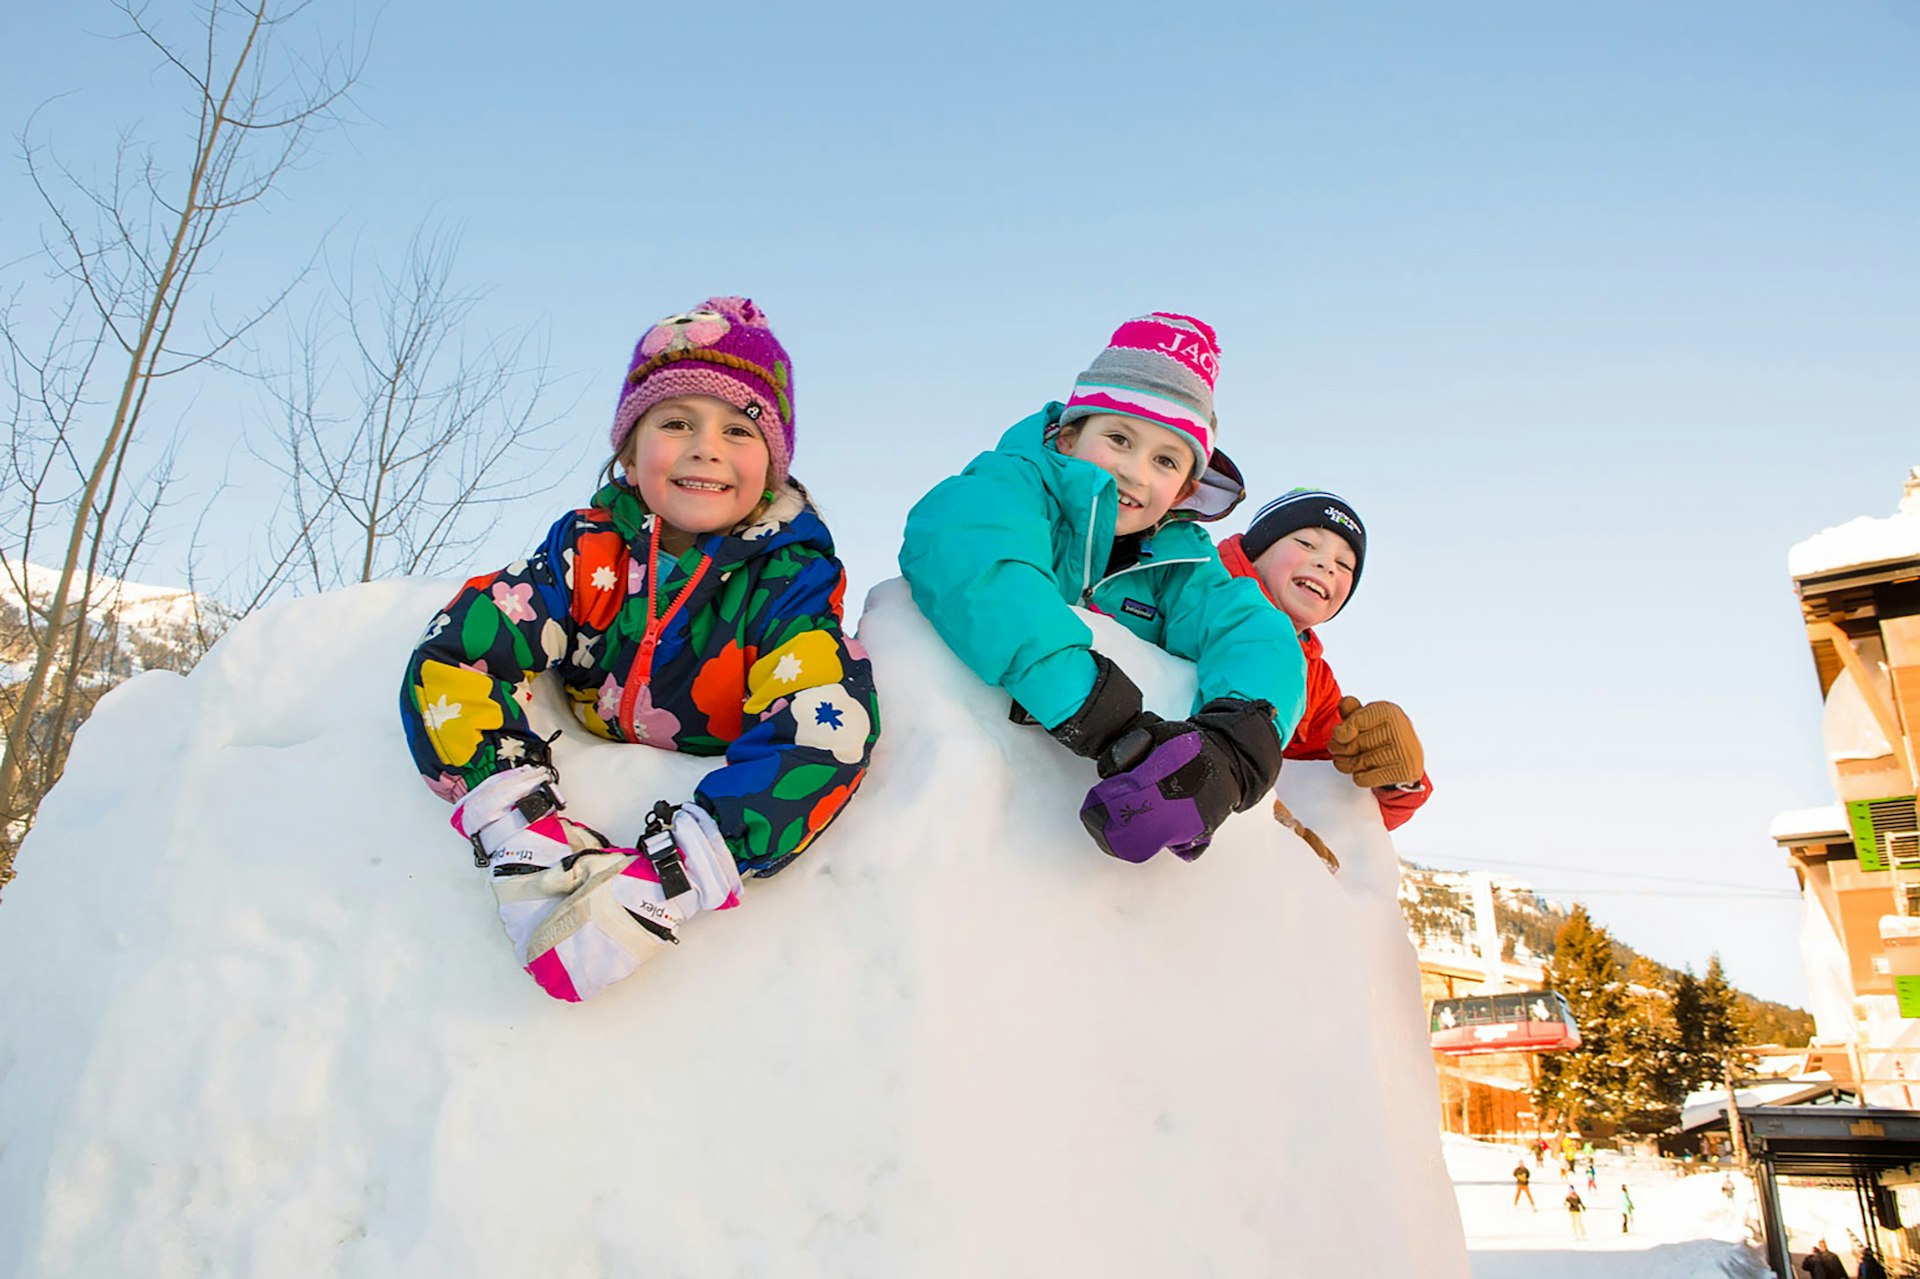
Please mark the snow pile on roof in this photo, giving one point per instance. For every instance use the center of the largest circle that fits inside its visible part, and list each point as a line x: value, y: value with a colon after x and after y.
x: 263, y: 1021
x: 1863, y: 541
x: 1802, y: 823
x: 1709, y: 1104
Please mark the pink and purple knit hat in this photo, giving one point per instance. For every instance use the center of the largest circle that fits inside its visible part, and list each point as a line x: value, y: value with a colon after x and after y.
x: 1161, y: 368
x: 721, y: 348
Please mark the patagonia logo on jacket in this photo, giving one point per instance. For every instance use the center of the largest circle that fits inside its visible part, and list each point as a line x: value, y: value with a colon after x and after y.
x: 1146, y: 612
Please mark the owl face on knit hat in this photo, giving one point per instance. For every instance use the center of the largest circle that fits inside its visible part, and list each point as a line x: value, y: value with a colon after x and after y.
x: 722, y: 348
x: 1307, y: 508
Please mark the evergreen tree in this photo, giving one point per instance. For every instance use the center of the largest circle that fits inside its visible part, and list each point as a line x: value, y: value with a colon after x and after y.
x: 1591, y: 1082
x: 1655, y: 1084
x: 1718, y: 1031
x: 1688, y: 1051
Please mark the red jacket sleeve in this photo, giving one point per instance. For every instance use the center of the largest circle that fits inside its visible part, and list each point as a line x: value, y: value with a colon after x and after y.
x: 1323, y: 706
x: 1398, y: 805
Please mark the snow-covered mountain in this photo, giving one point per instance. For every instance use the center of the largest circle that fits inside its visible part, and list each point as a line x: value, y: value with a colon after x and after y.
x: 136, y: 627
x: 264, y: 1021
x: 1438, y: 905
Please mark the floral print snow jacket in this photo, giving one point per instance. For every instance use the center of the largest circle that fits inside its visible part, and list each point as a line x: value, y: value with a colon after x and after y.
x: 751, y: 664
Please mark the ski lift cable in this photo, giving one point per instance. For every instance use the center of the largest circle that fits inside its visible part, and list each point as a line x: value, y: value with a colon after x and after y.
x: 1781, y: 897
x: 1629, y: 874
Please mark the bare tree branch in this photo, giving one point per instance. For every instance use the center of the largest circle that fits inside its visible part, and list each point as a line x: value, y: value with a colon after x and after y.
x: 133, y: 251
x: 394, y: 454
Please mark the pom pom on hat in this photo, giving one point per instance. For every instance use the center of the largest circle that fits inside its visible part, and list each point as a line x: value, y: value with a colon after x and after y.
x: 723, y: 348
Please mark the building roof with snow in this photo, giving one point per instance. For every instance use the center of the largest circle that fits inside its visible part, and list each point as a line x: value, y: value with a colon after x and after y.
x: 1865, y: 542
x: 1808, y: 825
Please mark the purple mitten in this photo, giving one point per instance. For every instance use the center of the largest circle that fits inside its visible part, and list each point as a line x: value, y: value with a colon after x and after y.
x: 1173, y: 798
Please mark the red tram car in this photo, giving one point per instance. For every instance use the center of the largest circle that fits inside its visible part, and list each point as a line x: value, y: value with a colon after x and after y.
x: 1537, y: 1021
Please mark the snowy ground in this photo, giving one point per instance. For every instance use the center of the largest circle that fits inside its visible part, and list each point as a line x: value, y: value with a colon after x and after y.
x: 1684, y: 1227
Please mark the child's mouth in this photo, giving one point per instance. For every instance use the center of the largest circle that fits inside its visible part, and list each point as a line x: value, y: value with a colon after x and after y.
x: 1313, y: 588
x: 703, y: 486
x: 1135, y: 503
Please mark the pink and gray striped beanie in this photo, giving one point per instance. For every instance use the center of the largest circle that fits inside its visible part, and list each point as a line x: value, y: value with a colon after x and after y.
x: 722, y: 348
x: 1161, y: 368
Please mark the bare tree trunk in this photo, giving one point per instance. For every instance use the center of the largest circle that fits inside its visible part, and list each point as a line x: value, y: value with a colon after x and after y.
x: 244, y: 139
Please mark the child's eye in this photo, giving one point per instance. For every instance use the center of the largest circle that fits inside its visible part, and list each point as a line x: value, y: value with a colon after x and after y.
x: 675, y: 424
x: 740, y: 432
x: 1167, y: 463
x: 1117, y: 437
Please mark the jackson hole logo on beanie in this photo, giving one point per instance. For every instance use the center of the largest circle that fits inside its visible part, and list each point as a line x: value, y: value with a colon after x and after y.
x: 1307, y: 508
x: 1162, y: 367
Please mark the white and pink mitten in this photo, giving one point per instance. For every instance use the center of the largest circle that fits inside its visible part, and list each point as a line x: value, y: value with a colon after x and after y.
x: 581, y: 915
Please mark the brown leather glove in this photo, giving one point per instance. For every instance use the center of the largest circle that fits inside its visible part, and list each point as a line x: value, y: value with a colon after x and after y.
x: 1375, y: 745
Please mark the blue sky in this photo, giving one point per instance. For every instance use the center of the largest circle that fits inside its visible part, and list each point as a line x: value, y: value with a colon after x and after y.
x: 1592, y: 312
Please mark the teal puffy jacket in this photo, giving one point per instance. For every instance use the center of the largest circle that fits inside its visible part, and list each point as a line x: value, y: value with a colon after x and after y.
x: 999, y: 553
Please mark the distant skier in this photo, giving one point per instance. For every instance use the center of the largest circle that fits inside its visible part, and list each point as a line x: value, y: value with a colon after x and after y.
x: 1522, y: 1185
x: 1306, y: 549
x: 1626, y: 1209
x: 1576, y: 1212
x: 1726, y: 1187
x: 1097, y: 503
x: 694, y: 606
x: 1822, y: 1264
x: 1592, y: 1174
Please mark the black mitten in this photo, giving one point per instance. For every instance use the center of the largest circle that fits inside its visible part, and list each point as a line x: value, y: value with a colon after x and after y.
x: 1237, y: 734
x: 1112, y: 710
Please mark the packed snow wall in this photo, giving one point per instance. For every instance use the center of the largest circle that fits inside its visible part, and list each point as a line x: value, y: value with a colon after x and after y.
x: 259, y: 1018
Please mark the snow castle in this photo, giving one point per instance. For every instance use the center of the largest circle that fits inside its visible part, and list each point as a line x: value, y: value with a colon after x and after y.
x: 259, y: 1017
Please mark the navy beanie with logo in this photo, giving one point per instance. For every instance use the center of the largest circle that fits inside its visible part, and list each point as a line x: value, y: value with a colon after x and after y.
x: 1306, y: 508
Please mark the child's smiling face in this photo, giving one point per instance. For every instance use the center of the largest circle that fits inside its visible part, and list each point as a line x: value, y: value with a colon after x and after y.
x: 1151, y: 465
x: 1310, y: 571
x: 700, y: 465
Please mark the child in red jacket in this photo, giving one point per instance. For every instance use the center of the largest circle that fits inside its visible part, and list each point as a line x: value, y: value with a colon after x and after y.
x: 1306, y: 549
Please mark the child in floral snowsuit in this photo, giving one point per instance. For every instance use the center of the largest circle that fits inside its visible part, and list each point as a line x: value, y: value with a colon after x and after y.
x: 694, y: 606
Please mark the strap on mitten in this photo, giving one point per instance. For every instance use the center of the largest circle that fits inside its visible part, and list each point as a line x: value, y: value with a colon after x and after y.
x: 527, y: 791
x: 658, y: 847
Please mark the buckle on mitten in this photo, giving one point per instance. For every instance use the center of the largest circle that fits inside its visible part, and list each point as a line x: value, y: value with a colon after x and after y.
x: 539, y: 802
x: 658, y: 847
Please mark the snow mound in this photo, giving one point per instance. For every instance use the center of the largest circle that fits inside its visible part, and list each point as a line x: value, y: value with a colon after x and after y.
x: 260, y: 1018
